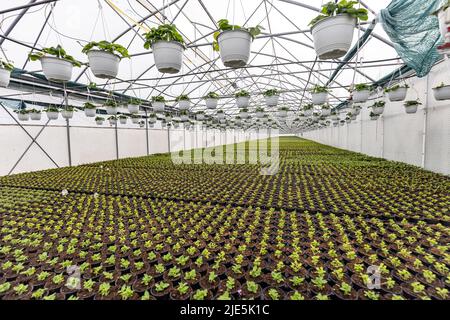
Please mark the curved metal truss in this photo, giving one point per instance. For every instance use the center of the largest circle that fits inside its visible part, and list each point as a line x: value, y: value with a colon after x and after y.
x: 283, y: 56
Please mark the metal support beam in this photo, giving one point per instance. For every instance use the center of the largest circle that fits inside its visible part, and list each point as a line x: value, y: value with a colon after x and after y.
x: 25, y: 7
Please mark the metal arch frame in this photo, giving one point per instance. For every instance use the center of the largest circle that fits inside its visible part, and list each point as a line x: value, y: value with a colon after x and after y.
x: 254, y: 79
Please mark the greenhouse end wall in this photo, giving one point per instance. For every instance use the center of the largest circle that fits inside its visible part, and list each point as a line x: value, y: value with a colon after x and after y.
x: 93, y: 144
x: 421, y: 139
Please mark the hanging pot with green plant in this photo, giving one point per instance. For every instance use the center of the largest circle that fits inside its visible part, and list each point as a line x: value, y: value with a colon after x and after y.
x: 5, y: 73
x: 361, y: 93
x: 52, y: 112
x: 56, y: 64
x: 374, y: 116
x: 334, y: 115
x: 234, y: 43
x: 442, y: 92
x: 397, y: 93
x: 35, y: 114
x: 411, y: 106
x: 168, y: 46
x: 184, y: 115
x: 378, y: 107
x: 152, y: 118
x: 183, y: 102
x: 326, y: 110
x: 67, y: 112
x: 271, y: 96
x: 211, y: 100
x: 283, y: 112
x: 123, y: 119
x: 200, y: 116
x: 135, y: 119
x: 99, y: 120
x: 112, y: 120
x: 333, y: 29
x: 242, y: 99
x: 158, y: 103
x: 90, y: 110
x: 23, y: 114
x: 308, y: 109
x: 111, y: 107
x: 133, y: 105
x: 259, y: 112
x: 319, y: 95
x: 243, y: 113
x: 104, y: 58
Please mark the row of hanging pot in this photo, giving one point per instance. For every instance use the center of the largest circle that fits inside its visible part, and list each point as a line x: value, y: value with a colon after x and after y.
x: 332, y: 32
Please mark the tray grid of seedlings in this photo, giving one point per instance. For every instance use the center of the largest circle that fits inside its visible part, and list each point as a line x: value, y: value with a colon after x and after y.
x: 145, y: 229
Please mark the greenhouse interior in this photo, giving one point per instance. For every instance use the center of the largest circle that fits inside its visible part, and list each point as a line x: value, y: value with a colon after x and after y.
x: 225, y: 150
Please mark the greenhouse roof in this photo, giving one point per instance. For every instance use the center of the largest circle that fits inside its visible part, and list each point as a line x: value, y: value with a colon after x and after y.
x: 283, y: 56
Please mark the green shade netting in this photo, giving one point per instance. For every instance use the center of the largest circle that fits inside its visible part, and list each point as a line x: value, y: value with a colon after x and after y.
x: 414, y: 30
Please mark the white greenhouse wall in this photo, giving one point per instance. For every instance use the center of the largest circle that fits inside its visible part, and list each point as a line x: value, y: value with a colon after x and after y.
x: 421, y: 139
x: 91, y: 143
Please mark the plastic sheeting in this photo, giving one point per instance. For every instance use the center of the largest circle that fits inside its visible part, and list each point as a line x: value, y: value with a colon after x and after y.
x: 414, y: 31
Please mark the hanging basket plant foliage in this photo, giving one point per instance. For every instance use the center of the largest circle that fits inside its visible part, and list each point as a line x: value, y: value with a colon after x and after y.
x: 5, y: 72
x: 234, y: 43
x: 56, y: 64
x: 104, y: 58
x: 333, y: 29
x: 168, y: 46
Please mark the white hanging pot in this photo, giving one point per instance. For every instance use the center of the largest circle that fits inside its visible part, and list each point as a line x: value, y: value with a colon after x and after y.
x: 282, y: 113
x: 112, y: 122
x: 272, y: 101
x: 378, y: 110
x: 353, y: 116
x: 260, y: 114
x: 56, y: 69
x: 152, y: 120
x: 135, y: 120
x: 200, y: 116
x: 66, y: 114
x: 5, y: 76
x: 361, y: 96
x: 308, y: 113
x: 411, y: 109
x: 211, y: 103
x: 133, y: 108
x: 398, y: 95
x: 168, y: 56
x: 242, y: 102
x: 123, y: 120
x: 99, y: 122
x: 374, y: 117
x: 220, y: 116
x: 103, y: 64
x: 442, y: 93
x: 90, y: 112
x: 184, y: 104
x: 319, y: 98
x: 36, y: 116
x: 333, y: 36
x: 234, y: 46
x: 23, y: 116
x: 326, y: 112
x: 243, y: 114
x: 335, y: 117
x: 151, y: 125
x: 52, y: 115
x: 158, y: 106
x: 111, y: 110
x: 184, y: 117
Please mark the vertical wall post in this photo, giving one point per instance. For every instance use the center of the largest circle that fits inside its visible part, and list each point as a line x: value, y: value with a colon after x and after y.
x: 168, y: 136
x: 425, y: 122
x: 69, y: 149
x: 117, y: 140
x: 146, y: 132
